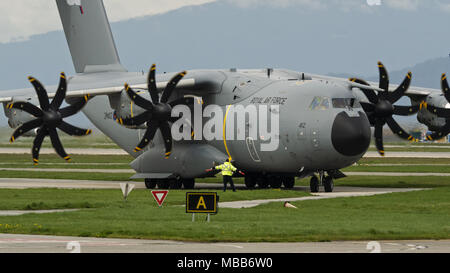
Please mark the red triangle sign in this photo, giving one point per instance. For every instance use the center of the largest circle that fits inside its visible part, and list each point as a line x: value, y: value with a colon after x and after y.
x: 160, y: 196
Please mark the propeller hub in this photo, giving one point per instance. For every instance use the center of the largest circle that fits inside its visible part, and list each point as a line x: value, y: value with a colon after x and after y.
x: 161, y: 111
x: 384, y: 109
x: 52, y: 118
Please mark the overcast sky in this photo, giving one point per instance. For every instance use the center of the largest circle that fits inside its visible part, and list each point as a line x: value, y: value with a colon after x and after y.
x: 20, y: 19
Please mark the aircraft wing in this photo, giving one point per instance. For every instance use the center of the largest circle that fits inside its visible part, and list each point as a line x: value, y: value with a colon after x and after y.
x: 9, y: 95
x: 413, y: 91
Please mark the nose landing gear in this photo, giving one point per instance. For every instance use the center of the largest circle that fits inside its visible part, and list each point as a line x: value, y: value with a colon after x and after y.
x: 325, y: 180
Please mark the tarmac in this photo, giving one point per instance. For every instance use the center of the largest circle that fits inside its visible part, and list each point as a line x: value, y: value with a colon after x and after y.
x: 72, y: 151
x: 17, y: 243
x: 101, y: 151
x: 131, y: 171
x: 371, y: 154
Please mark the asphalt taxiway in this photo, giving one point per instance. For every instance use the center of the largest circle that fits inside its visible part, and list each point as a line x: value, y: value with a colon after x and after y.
x: 105, y: 151
x: 17, y: 243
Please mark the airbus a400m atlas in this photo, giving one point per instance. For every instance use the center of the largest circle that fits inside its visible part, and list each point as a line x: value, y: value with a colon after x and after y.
x: 275, y: 124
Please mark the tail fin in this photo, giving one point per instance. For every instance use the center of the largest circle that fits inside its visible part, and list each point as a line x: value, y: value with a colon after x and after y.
x: 89, y: 36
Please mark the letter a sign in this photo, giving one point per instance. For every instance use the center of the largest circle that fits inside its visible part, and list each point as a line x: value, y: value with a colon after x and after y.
x: 160, y: 196
x: 201, y: 202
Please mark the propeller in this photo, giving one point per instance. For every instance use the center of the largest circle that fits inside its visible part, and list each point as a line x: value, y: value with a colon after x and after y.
x: 380, y: 108
x: 441, y: 112
x: 49, y: 117
x: 158, y: 111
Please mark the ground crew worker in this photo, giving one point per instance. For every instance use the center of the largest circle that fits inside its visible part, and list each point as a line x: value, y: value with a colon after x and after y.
x: 227, y: 172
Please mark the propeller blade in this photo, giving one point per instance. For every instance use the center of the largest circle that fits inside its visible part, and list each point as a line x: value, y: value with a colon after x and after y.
x: 368, y: 107
x: 137, y: 120
x: 73, y: 130
x: 379, y: 136
x: 445, y: 88
x: 56, y: 143
x: 74, y: 108
x: 138, y: 100
x: 396, y: 129
x: 37, y: 144
x: 171, y: 86
x: 148, y: 136
x: 167, y: 136
x: 384, y: 78
x: 60, y: 92
x: 370, y: 94
x: 27, y: 126
x: 407, y: 110
x: 41, y: 93
x: 440, y: 112
x: 27, y: 107
x: 401, y: 89
x: 151, y: 83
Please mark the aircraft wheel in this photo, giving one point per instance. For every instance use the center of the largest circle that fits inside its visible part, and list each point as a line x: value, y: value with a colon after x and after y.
x: 250, y: 181
x: 289, y: 182
x: 314, y: 184
x: 328, y: 184
x: 175, y: 183
x: 275, y: 181
x: 163, y: 183
x: 262, y: 182
x: 150, y: 183
x: 188, y: 183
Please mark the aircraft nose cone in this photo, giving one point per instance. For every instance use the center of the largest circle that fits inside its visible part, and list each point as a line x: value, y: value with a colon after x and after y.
x: 351, y: 135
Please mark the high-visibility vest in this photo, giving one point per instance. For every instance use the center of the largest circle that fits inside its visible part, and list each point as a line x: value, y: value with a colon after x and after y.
x: 227, y: 168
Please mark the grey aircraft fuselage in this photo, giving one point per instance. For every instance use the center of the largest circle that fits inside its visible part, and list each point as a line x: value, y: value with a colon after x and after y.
x: 327, y: 137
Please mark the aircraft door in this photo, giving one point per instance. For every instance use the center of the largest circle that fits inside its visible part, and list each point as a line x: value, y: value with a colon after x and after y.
x: 252, y: 150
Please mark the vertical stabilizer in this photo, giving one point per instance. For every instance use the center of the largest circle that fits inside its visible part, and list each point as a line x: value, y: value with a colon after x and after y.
x: 89, y: 36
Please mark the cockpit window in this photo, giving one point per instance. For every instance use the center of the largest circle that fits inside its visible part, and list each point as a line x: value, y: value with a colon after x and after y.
x: 320, y: 103
x: 345, y: 103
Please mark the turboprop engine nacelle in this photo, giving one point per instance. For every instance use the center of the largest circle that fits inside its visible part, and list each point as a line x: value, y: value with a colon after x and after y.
x: 432, y: 121
x: 18, y: 117
x: 125, y: 108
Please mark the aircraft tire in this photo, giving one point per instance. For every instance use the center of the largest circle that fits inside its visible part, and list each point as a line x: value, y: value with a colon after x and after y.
x: 275, y: 181
x: 250, y: 181
x: 288, y: 182
x: 150, y: 183
x: 163, y: 183
x: 188, y: 183
x: 314, y: 184
x: 175, y: 183
x: 262, y: 182
x: 328, y: 184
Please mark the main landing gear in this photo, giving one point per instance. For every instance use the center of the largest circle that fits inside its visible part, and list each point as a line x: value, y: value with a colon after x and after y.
x: 170, y: 183
x: 322, y: 179
x: 265, y: 181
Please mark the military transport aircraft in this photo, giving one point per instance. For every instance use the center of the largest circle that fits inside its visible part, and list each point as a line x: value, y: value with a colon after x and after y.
x: 323, y: 123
